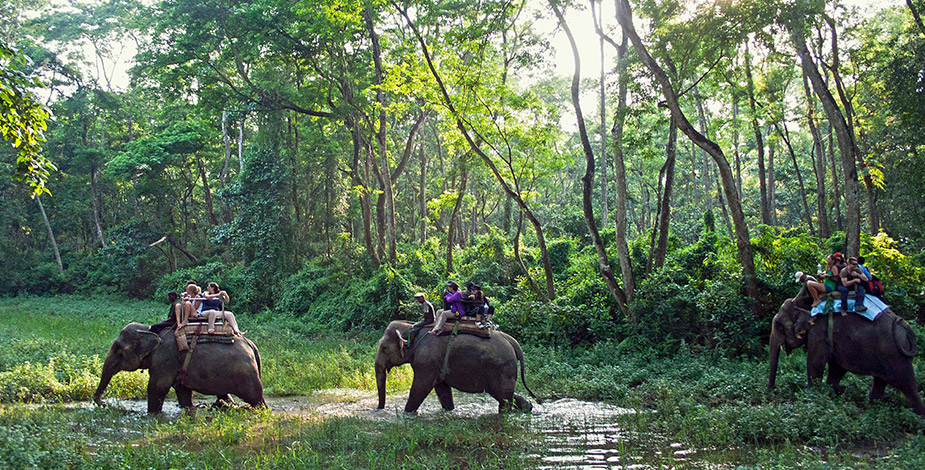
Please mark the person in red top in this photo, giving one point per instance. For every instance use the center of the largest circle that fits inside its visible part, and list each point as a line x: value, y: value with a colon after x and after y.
x: 452, y: 297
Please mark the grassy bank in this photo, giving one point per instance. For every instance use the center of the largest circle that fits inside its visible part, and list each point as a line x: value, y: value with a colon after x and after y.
x: 51, y: 351
x: 52, y: 348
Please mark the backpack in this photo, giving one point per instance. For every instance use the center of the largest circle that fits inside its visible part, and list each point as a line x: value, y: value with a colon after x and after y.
x: 875, y: 287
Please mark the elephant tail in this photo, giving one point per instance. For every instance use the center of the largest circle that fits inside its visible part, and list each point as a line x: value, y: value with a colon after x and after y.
x: 256, y: 355
x: 524, y: 381
x: 904, y: 337
x: 523, y: 367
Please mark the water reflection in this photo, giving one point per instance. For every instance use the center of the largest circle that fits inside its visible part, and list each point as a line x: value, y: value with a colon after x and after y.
x: 574, y: 434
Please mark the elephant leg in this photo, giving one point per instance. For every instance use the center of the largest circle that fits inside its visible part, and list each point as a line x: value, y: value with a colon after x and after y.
x: 876, y: 390
x: 184, y: 396
x: 445, y: 394
x: 905, y: 382
x: 505, y: 397
x: 157, y: 392
x: 815, y: 365
x: 420, y: 388
x: 836, y: 373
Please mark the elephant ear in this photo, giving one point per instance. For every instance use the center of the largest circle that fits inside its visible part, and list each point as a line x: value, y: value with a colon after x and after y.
x: 904, y: 337
x: 147, y: 342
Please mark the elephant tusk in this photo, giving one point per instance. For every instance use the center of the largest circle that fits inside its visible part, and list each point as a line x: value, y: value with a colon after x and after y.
x: 401, y: 341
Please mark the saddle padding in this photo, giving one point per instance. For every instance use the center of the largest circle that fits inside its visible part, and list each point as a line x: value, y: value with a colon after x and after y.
x: 466, y: 326
x: 202, y: 329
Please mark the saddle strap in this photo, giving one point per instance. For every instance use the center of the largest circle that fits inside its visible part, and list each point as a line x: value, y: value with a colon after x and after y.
x: 831, y: 333
x: 446, y: 357
x: 189, y: 355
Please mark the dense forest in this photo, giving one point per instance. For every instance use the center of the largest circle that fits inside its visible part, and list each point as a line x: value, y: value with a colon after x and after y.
x: 326, y: 159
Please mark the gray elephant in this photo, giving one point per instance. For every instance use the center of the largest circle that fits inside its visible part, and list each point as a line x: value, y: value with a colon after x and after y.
x: 883, y: 348
x: 472, y: 364
x: 215, y: 368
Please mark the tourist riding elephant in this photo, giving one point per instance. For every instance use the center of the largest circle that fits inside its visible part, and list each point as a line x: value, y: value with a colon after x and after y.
x: 465, y: 362
x: 883, y: 348
x: 214, y: 368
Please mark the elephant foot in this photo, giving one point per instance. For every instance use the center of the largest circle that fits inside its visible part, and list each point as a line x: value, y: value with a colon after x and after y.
x: 222, y: 403
x: 522, y: 404
x: 839, y: 389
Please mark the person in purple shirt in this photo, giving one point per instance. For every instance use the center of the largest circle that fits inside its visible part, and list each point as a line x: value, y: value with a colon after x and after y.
x: 452, y: 297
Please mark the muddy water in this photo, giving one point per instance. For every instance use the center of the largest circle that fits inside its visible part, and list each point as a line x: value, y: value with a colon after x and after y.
x: 576, y: 434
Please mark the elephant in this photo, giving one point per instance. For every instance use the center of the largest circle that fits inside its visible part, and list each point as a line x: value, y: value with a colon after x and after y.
x: 473, y: 365
x: 215, y: 368
x: 883, y: 348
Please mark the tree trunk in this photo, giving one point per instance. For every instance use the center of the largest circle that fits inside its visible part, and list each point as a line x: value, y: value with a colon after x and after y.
x: 818, y: 162
x: 722, y: 204
x: 603, y: 115
x: 588, y: 180
x: 836, y: 203
x: 96, y: 206
x: 666, y: 179
x: 772, y: 196
x: 422, y: 197
x: 759, y: 142
x: 241, y: 146
x: 365, y: 205
x: 784, y: 135
x: 206, y: 190
x: 51, y: 236
x: 623, y: 252
x: 520, y: 260
x: 706, y: 180
x: 735, y: 144
x: 915, y: 16
x: 873, y: 214
x: 846, y: 143
x: 451, y: 227
x: 381, y: 139
x: 226, y: 139
x: 743, y: 241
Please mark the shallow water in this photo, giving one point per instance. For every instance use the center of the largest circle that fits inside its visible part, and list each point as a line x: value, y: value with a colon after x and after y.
x: 576, y: 434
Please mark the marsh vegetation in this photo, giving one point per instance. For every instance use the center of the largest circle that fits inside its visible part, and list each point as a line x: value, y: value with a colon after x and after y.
x: 601, y: 407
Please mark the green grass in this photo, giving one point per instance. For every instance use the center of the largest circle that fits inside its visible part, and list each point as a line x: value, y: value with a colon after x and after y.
x: 51, y: 351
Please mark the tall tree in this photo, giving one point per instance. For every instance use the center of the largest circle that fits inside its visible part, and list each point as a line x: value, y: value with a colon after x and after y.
x: 759, y: 141
x: 743, y: 241
x: 818, y: 155
x: 587, y: 180
x: 846, y: 142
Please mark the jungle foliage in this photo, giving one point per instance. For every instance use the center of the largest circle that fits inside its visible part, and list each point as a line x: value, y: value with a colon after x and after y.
x: 323, y: 161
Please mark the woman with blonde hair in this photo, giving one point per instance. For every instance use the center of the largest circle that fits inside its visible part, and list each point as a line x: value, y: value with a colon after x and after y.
x: 212, y: 308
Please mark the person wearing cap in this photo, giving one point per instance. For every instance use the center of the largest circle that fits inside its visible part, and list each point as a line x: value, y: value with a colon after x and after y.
x: 814, y: 287
x: 428, y: 310
x: 453, y: 298
x: 173, y: 317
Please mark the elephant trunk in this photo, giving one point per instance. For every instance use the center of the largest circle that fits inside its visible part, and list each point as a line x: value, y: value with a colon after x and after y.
x: 381, y: 373
x: 109, y: 370
x: 777, y: 340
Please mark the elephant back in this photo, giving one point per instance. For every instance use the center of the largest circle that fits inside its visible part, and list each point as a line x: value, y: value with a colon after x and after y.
x: 904, y: 336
